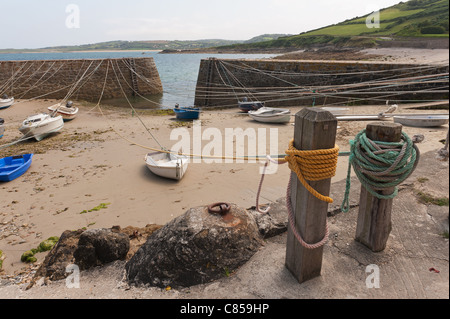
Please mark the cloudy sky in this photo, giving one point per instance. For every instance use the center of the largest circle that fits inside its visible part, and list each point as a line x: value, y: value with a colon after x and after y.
x: 43, y: 23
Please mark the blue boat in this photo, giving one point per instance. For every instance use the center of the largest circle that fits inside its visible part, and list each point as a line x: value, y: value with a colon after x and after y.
x: 187, y: 113
x: 2, y: 127
x: 246, y: 105
x: 14, y: 166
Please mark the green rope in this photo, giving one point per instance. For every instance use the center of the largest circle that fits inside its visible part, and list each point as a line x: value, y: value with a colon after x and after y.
x: 380, y: 165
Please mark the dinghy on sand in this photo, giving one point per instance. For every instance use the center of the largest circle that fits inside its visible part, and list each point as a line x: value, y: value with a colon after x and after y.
x: 167, y: 165
x: 14, y: 166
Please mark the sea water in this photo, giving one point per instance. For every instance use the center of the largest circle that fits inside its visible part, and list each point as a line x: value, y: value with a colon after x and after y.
x: 178, y: 72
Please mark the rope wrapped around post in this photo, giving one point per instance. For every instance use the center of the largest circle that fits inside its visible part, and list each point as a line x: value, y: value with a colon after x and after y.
x: 380, y: 165
x: 309, y: 166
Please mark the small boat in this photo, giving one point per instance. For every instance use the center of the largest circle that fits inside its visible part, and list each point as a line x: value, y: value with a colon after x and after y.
x: 14, y: 166
x: 2, y: 127
x: 6, y: 102
x: 336, y: 111
x: 246, y: 105
x: 167, y: 165
x: 422, y: 120
x: 187, y: 113
x: 68, y: 111
x: 271, y: 115
x: 41, y: 125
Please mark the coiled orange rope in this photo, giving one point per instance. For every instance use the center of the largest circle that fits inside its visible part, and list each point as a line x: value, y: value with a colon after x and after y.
x: 313, y: 165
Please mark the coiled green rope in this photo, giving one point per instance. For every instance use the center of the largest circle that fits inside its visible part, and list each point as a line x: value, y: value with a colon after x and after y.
x: 380, y: 165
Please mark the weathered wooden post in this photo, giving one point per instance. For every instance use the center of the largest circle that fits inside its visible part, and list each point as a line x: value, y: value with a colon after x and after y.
x: 314, y: 129
x: 374, y: 219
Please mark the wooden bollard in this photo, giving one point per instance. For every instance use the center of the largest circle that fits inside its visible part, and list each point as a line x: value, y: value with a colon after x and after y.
x: 374, y: 218
x: 314, y: 129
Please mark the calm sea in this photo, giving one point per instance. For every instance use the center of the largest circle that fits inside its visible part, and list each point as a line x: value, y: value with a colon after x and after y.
x: 178, y: 72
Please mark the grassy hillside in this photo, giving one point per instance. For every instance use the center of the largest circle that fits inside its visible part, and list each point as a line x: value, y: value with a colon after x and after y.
x: 415, y: 18
x: 147, y: 45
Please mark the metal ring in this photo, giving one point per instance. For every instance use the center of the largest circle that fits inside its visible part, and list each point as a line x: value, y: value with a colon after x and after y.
x: 224, y: 208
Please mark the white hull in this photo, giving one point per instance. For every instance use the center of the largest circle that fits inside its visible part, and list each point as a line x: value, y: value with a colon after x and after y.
x: 67, y: 113
x: 4, y: 103
x: 271, y: 115
x: 336, y: 111
x: 422, y: 120
x: 167, y: 165
x: 41, y: 125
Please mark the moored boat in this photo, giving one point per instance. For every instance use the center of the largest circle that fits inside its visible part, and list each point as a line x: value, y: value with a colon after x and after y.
x: 41, y: 125
x: 167, y: 165
x: 246, y: 105
x: 2, y: 127
x: 422, y: 120
x: 6, y: 102
x: 187, y: 113
x: 14, y: 166
x: 67, y: 111
x: 271, y: 115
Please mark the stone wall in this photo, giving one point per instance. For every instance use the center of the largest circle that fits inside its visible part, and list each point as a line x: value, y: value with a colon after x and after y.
x: 292, y: 83
x: 81, y: 79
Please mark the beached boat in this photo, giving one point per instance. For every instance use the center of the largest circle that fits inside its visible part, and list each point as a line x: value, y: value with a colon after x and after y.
x: 336, y: 111
x: 67, y: 111
x: 422, y: 120
x: 14, y: 166
x: 2, y: 127
x: 41, y: 125
x: 271, y: 115
x: 6, y: 102
x: 187, y: 113
x: 167, y: 165
x: 246, y: 105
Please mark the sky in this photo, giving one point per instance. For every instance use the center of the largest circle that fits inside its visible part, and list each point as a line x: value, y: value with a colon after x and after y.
x: 45, y: 23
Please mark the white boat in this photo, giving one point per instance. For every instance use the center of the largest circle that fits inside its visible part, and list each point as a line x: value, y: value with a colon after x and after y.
x: 167, y: 165
x: 336, y: 111
x: 6, y: 102
x: 271, y: 115
x: 421, y: 120
x: 67, y: 111
x: 41, y: 125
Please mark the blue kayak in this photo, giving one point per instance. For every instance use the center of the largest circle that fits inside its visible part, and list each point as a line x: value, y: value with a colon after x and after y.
x: 14, y: 166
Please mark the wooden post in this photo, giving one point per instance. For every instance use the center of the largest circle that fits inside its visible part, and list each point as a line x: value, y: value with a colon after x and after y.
x: 314, y: 129
x: 374, y: 219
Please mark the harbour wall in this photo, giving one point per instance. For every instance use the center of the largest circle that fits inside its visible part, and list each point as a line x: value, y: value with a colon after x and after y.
x: 85, y: 79
x: 295, y: 83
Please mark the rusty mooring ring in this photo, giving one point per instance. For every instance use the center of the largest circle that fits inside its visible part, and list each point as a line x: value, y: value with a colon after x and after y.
x: 224, y: 208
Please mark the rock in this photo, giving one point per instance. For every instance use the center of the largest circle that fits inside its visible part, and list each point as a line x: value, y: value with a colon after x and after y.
x: 101, y: 246
x: 275, y: 222
x: 56, y: 261
x: 195, y: 248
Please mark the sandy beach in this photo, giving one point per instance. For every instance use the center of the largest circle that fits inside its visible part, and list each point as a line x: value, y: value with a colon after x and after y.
x: 88, y: 163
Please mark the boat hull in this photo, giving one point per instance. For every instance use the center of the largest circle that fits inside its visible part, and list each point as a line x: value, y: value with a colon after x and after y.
x: 2, y: 127
x: 271, y: 115
x: 68, y: 114
x: 40, y: 130
x: 5, y: 103
x: 422, y: 121
x: 187, y: 113
x: 167, y: 165
x: 250, y: 106
x: 14, y: 166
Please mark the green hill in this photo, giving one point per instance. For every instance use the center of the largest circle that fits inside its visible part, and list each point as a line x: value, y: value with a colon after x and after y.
x: 415, y: 18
